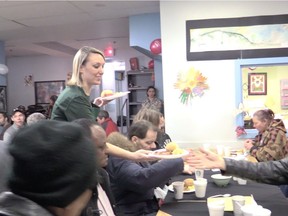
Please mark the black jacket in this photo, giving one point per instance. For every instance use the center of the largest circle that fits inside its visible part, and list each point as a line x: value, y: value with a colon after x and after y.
x: 271, y: 172
x: 92, y: 205
x: 14, y: 205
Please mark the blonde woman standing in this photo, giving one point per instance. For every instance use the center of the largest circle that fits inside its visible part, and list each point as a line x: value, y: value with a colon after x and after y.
x: 74, y: 102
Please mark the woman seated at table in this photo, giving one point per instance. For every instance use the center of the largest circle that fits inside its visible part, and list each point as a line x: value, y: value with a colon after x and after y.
x: 133, y: 183
x: 157, y: 119
x: 271, y: 141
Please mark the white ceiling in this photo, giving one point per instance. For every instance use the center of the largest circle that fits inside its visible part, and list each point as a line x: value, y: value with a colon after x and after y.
x: 59, y: 28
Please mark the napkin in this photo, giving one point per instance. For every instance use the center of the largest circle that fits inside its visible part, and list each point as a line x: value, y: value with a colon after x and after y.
x: 228, y: 201
x: 161, y: 213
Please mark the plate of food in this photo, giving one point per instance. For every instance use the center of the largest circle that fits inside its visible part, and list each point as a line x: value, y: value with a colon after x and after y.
x: 171, y: 151
x: 164, y: 154
x: 188, y: 186
x: 111, y: 95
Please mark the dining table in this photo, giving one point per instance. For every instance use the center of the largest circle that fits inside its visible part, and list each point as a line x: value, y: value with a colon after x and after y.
x: 268, y: 196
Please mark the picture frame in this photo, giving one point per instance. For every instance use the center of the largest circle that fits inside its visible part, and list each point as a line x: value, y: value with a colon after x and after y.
x: 237, y: 38
x: 3, y: 98
x: 257, y: 84
x: 45, y: 89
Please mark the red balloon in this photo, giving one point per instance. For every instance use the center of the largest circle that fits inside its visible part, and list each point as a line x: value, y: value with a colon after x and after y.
x: 156, y: 47
x: 151, y: 64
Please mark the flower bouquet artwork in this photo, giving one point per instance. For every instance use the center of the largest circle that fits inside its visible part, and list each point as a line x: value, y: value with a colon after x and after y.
x: 191, y: 83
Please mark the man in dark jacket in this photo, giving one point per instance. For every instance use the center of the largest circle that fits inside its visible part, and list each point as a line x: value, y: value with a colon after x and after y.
x: 133, y: 182
x: 104, y: 204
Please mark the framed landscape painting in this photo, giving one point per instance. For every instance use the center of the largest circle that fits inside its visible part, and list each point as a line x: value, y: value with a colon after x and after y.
x: 237, y: 38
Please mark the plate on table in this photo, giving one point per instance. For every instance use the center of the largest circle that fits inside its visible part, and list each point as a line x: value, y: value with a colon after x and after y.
x: 164, y: 154
x: 116, y: 95
x: 190, y: 189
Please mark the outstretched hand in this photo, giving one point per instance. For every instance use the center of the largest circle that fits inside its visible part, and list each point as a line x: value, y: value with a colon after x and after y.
x: 206, y: 160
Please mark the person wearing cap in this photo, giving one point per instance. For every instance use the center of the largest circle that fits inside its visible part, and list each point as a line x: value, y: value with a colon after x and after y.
x: 46, y: 177
x: 18, y: 119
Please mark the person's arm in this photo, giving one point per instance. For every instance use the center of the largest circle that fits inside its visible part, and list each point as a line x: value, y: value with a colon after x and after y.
x: 140, y: 179
x: 271, y: 172
x: 140, y: 155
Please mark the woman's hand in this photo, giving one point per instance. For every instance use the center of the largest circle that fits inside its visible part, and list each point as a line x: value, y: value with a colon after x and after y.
x: 248, y: 144
x: 206, y: 160
x: 188, y: 169
x: 100, y: 101
x: 142, y: 155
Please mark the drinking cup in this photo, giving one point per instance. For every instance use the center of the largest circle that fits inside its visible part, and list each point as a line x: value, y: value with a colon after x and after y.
x: 238, y: 201
x: 200, y: 188
x: 178, y: 188
x: 199, y: 173
x: 216, y: 208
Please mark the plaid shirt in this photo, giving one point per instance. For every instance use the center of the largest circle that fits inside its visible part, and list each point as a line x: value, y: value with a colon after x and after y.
x: 272, y: 144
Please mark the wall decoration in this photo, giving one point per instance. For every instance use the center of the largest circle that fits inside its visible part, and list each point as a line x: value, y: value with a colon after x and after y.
x: 257, y: 84
x: 234, y: 38
x: 3, y: 99
x: 45, y: 89
x: 28, y: 80
x: 192, y: 84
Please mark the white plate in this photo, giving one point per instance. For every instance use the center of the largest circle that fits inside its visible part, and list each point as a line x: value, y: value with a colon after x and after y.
x: 167, y: 156
x: 116, y: 95
x: 170, y: 188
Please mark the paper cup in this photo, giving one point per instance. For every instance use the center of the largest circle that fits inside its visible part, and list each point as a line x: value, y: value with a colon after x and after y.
x: 238, y: 201
x: 216, y: 208
x: 200, y: 188
x: 178, y: 188
x: 199, y: 173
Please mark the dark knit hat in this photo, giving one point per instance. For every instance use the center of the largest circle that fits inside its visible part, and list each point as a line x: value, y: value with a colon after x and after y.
x: 53, y: 163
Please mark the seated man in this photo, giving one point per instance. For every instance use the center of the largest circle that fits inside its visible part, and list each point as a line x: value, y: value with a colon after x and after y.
x: 53, y: 171
x: 106, y: 122
x: 105, y: 201
x: 132, y: 182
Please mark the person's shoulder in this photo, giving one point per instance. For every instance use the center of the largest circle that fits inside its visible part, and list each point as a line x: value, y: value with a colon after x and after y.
x: 18, y: 205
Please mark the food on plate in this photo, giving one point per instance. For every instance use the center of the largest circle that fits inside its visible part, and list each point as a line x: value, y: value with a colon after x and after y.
x: 171, y: 146
x: 177, y: 151
x: 188, y: 184
x: 106, y: 93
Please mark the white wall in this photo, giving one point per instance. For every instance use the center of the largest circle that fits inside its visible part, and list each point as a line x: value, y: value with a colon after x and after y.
x: 43, y: 68
x: 209, y: 119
